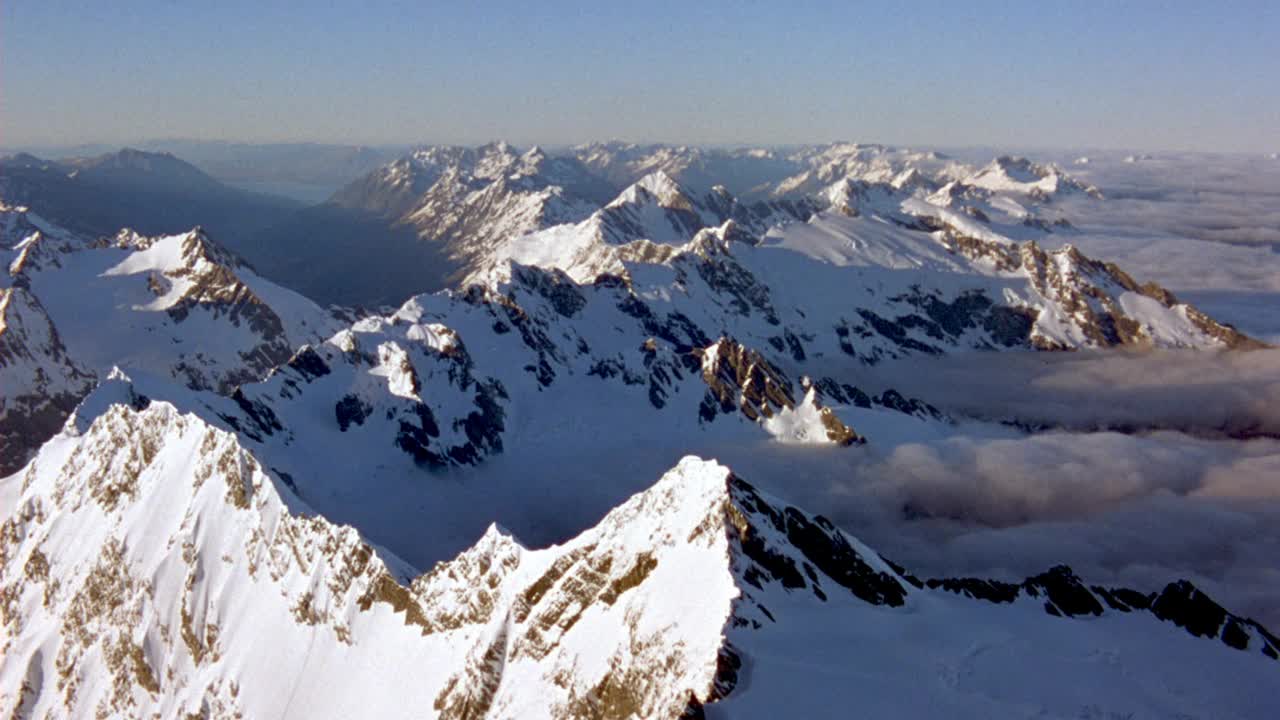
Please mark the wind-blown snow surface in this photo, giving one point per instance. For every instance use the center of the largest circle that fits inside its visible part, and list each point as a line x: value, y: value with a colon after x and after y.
x: 171, y: 573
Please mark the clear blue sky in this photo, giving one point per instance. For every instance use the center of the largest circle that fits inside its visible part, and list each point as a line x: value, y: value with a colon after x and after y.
x: 1174, y: 75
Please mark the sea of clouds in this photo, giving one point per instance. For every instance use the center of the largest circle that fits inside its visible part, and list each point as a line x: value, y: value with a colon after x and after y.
x: 1147, y: 467
x: 1203, y: 225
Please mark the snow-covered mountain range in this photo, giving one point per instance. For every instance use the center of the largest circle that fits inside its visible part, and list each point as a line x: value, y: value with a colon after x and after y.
x: 465, y: 203
x: 152, y: 565
x: 199, y: 458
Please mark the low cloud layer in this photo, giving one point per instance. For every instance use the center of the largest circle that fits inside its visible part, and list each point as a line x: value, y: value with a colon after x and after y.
x: 1210, y: 394
x: 1205, y: 226
x: 1214, y: 197
x: 1191, y: 486
x: 1180, y: 494
x: 1137, y: 511
x: 1129, y: 510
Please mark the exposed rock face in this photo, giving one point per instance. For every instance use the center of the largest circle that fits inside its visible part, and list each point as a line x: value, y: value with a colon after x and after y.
x: 467, y: 199
x: 1225, y: 335
x: 785, y: 546
x: 1180, y: 603
x: 41, y: 382
x: 409, y: 387
x: 401, y: 381
x: 1095, y: 303
x: 410, y: 381
x: 740, y: 379
x: 1184, y: 605
x: 891, y: 399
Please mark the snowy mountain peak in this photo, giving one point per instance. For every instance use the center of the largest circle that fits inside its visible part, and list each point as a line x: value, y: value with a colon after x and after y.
x: 178, y: 531
x: 856, y: 197
x: 912, y: 178
x: 192, y: 251
x: 177, y: 306
x: 1019, y: 175
x: 657, y: 187
x: 183, y: 548
x: 534, y: 156
x: 496, y: 147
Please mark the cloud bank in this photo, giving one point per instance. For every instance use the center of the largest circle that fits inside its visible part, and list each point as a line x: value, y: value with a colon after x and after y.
x: 1209, y: 394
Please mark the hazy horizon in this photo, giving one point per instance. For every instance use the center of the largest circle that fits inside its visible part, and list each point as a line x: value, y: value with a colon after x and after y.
x: 160, y: 145
x: 1145, y: 77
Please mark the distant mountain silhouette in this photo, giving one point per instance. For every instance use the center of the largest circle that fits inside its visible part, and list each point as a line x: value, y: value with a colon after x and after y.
x: 153, y: 193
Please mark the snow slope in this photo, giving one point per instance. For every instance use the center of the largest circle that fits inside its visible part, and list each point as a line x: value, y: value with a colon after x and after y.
x: 177, y: 306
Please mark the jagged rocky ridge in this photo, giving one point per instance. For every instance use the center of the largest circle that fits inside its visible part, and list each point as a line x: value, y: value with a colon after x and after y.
x: 957, y: 244
x: 943, y: 255
x: 472, y: 201
x: 404, y: 381
x: 467, y: 199
x: 151, y: 564
x: 409, y: 385
x: 898, y: 276
x: 899, y: 263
